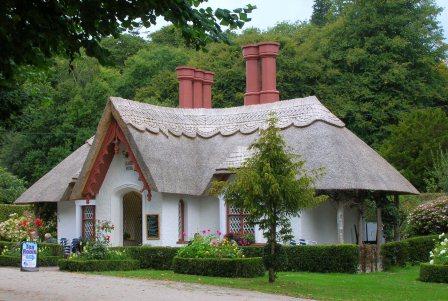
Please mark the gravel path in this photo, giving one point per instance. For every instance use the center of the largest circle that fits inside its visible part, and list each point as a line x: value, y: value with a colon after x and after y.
x: 51, y: 284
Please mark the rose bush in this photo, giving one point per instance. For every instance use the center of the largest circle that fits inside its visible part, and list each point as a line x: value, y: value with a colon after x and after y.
x: 210, y: 246
x: 21, y: 228
x: 429, y: 218
x: 440, y: 253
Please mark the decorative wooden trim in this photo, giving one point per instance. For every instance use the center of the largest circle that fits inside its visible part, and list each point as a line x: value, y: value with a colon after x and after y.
x: 158, y: 227
x: 181, y: 220
x: 109, y: 147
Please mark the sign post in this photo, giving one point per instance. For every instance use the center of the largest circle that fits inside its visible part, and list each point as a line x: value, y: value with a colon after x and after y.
x: 29, y: 251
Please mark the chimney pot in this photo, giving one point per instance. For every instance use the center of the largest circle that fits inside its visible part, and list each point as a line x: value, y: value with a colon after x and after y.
x: 207, y: 89
x: 197, y: 88
x: 185, y: 75
x: 251, y: 55
x: 268, y: 52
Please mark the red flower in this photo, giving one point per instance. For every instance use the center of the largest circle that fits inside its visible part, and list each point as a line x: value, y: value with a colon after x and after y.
x: 24, y: 223
x: 38, y: 222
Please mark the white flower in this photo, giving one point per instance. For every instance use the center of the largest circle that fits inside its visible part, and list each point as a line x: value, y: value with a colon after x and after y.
x: 431, y: 262
x: 441, y: 235
x: 442, y: 252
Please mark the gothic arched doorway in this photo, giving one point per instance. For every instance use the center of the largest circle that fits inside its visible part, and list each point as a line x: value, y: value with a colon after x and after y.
x: 132, y: 219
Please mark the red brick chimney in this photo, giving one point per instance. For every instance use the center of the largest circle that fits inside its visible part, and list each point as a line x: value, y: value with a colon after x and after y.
x: 261, y: 73
x: 195, y: 87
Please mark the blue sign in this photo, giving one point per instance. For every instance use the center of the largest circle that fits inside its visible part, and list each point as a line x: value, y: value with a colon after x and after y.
x: 29, y: 256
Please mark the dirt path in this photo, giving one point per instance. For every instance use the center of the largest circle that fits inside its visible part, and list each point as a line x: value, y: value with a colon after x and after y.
x: 51, y: 284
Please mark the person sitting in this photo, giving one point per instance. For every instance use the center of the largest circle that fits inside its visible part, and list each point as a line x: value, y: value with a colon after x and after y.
x: 49, y: 239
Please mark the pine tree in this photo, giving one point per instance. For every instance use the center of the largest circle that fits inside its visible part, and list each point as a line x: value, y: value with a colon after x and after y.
x: 272, y: 187
x: 321, y: 11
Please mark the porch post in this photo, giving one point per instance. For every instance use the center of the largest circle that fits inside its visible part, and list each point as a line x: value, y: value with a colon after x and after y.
x: 340, y: 221
x: 222, y: 215
x: 397, y: 225
x: 360, y: 221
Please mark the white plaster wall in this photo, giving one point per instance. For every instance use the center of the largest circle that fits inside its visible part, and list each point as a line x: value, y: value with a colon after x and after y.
x: 69, y: 215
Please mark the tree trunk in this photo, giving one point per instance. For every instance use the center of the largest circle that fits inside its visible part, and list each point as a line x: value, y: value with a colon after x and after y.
x: 271, y: 269
x: 379, y: 233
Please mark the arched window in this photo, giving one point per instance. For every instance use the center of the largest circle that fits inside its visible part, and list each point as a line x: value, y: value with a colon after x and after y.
x: 237, y: 221
x: 181, y: 222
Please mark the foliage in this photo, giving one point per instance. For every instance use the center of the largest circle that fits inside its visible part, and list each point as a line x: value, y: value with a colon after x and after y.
x: 429, y: 218
x: 99, y: 247
x: 11, y: 187
x: 433, y: 273
x: 42, y: 261
x: 76, y: 265
x: 272, y: 186
x: 45, y: 249
x: 30, y: 35
x: 220, y: 267
x: 321, y: 12
x: 21, y: 228
x: 324, y: 258
x: 440, y: 253
x: 411, y: 250
x: 159, y: 258
x: 319, y: 258
x: 438, y: 175
x: 210, y: 246
x: 394, y: 253
x: 241, y: 239
x: 7, y: 209
x: 417, y: 136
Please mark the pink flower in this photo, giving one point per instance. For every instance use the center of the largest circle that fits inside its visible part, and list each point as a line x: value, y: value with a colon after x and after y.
x: 203, y: 231
x: 218, y: 232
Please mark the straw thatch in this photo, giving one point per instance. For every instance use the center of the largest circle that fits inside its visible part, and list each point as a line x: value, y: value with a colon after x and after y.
x: 180, y: 150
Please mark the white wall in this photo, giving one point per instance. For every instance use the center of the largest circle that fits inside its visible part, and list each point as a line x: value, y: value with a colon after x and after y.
x: 69, y: 214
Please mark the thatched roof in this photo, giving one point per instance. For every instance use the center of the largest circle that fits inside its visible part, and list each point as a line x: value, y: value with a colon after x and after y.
x: 56, y: 184
x: 180, y: 150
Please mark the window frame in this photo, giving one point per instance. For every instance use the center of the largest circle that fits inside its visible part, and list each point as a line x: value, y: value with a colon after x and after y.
x: 241, y: 217
x: 83, y: 220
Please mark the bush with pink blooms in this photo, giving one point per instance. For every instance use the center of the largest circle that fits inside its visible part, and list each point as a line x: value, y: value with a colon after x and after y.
x: 209, y: 245
x: 429, y: 218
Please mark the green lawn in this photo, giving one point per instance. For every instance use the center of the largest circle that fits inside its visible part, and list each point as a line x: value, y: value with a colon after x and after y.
x: 400, y: 284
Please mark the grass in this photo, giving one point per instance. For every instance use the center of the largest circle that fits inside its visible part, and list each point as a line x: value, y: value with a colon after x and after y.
x: 400, y: 284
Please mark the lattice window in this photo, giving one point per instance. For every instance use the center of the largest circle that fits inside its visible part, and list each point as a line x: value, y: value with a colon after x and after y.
x: 181, y: 222
x: 237, y: 221
x: 88, y: 222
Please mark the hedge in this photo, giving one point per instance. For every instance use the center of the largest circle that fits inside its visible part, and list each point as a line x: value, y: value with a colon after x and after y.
x: 316, y: 258
x: 224, y: 267
x: 158, y: 258
x: 42, y: 261
x: 7, y: 209
x: 73, y: 265
x: 411, y: 250
x: 55, y: 249
x: 433, y: 273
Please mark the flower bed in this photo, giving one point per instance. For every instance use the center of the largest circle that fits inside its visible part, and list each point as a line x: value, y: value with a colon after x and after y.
x: 220, y: 267
x: 80, y: 265
x: 434, y: 273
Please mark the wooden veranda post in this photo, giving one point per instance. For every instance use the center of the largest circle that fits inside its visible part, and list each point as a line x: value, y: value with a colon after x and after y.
x: 360, y: 221
x: 379, y: 226
x: 397, y: 224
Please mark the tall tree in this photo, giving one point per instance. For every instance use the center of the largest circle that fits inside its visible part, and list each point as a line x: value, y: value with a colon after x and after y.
x: 11, y: 187
x: 33, y: 29
x: 321, y: 11
x: 272, y: 187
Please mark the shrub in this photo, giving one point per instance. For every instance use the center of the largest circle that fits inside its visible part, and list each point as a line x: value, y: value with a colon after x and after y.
x: 319, y: 258
x: 20, y: 228
x: 412, y: 250
x: 76, y: 265
x: 429, y: 218
x: 220, y: 267
x: 42, y: 261
x: 158, y: 258
x: 45, y: 249
x: 7, y: 209
x: 420, y: 247
x: 323, y: 258
x: 440, y: 253
x: 433, y: 273
x: 395, y: 254
x: 210, y: 246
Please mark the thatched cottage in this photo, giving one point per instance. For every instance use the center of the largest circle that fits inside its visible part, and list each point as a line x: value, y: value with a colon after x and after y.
x: 148, y: 168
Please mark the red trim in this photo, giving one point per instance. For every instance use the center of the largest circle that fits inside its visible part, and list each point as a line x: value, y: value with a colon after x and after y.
x: 110, y: 146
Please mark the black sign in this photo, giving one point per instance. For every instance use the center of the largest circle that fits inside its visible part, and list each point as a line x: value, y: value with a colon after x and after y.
x: 152, y: 226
